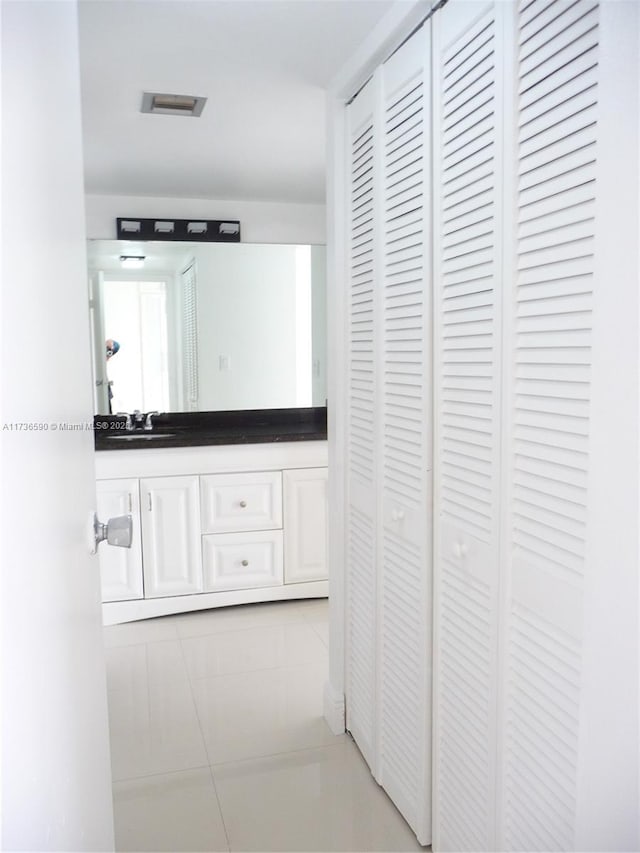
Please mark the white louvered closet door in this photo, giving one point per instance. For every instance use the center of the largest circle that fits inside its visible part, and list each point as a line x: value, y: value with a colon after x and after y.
x: 549, y: 393
x: 361, y: 575
x: 404, y: 484
x: 468, y: 219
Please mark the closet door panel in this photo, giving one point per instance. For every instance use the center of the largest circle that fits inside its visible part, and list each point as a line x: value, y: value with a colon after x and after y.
x: 404, y: 735
x: 468, y: 115
x: 549, y: 402
x: 361, y: 432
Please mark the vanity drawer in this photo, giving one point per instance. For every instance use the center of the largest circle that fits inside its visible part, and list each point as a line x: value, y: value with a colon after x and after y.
x: 234, y: 502
x: 242, y: 560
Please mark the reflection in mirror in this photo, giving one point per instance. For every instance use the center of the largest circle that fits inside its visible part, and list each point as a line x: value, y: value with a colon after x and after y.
x: 207, y: 326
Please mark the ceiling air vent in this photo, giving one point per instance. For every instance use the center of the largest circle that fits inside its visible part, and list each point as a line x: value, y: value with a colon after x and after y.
x: 172, y: 105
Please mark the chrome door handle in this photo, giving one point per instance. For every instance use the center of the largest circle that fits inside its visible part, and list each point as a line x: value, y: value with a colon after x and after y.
x: 117, y: 531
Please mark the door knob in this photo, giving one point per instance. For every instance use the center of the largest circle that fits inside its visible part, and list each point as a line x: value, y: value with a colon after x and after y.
x: 460, y: 550
x: 117, y: 531
x: 397, y: 514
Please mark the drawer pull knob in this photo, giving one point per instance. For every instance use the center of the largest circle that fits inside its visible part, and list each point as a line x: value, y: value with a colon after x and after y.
x: 245, y: 562
x: 243, y: 504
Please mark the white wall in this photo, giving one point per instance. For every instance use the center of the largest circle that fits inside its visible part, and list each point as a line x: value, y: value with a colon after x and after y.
x: 246, y: 312
x: 260, y: 222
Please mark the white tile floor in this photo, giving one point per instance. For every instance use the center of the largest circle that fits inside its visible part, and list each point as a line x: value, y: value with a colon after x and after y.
x: 218, y: 740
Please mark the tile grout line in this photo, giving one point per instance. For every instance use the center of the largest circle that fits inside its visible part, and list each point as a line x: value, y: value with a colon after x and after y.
x: 192, y: 679
x: 280, y: 754
x: 204, y: 742
x: 224, y: 823
x: 240, y: 672
x: 161, y: 774
x: 301, y: 618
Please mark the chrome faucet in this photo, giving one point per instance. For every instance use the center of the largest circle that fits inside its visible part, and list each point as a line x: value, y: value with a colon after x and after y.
x: 138, y: 420
x: 129, y: 422
x: 148, y: 423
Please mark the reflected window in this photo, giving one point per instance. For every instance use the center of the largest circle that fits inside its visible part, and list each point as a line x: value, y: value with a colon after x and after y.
x: 135, y: 314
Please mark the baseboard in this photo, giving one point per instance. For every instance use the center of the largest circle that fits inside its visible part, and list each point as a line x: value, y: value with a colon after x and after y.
x: 334, y: 709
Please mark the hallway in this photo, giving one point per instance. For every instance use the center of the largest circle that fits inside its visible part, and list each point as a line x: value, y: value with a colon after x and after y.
x: 218, y: 740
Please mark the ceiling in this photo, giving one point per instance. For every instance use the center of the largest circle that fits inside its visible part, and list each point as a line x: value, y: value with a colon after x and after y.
x: 264, y: 66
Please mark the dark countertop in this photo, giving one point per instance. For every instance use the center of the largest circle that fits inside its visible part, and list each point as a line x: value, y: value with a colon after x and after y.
x: 193, y: 429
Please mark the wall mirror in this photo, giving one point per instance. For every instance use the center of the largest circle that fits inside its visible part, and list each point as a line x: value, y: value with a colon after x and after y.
x: 207, y: 326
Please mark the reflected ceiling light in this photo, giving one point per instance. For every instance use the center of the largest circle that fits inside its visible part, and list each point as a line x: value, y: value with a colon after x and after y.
x: 172, y: 105
x: 132, y: 262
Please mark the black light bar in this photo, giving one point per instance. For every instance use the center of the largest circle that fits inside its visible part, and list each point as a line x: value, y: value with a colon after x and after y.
x: 192, y: 230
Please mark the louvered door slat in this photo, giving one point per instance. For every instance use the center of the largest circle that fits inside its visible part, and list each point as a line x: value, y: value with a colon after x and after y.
x: 404, y: 716
x: 467, y: 268
x: 556, y: 144
x: 360, y: 525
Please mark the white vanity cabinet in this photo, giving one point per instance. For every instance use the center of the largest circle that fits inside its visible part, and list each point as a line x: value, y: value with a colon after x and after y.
x: 213, y: 526
x: 170, y: 516
x: 120, y: 568
x: 305, y: 520
x: 242, y: 521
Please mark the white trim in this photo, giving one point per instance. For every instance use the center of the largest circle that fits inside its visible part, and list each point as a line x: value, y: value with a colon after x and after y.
x: 117, y: 612
x: 212, y: 459
x: 334, y: 709
x: 607, y: 792
x: 387, y: 36
x: 336, y: 394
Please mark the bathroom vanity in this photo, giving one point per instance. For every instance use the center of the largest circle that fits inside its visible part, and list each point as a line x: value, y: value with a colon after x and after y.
x: 226, y: 488
x: 227, y: 509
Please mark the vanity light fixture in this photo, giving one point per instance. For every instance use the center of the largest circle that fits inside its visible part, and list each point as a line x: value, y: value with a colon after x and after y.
x: 194, y: 230
x: 132, y: 262
x: 197, y: 228
x: 172, y: 105
x: 131, y: 226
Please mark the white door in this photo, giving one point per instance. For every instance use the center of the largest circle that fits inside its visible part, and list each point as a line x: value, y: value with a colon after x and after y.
x: 404, y: 435
x: 536, y: 454
x: 171, y: 536
x: 388, y: 690
x: 468, y: 222
x: 56, y: 775
x: 120, y: 568
x: 360, y: 526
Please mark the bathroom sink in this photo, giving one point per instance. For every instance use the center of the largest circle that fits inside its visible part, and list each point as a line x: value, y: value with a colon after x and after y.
x: 140, y: 436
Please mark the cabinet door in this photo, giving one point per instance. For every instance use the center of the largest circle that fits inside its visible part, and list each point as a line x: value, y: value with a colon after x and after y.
x: 305, y: 524
x: 120, y: 568
x: 170, y: 513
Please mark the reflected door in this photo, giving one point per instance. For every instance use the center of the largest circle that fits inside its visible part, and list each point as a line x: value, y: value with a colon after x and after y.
x: 135, y: 315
